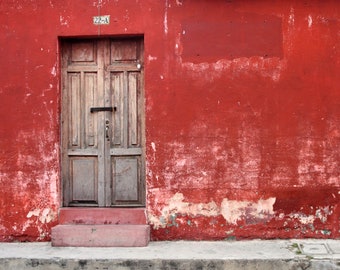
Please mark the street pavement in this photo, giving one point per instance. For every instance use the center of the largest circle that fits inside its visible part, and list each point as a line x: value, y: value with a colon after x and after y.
x: 304, y: 254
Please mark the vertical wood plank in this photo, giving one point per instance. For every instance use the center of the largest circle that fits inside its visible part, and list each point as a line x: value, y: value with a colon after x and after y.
x: 118, y: 103
x: 65, y: 124
x: 74, y: 83
x: 133, y: 110
x: 90, y: 101
x: 101, y: 125
x: 125, y: 113
x: 108, y: 121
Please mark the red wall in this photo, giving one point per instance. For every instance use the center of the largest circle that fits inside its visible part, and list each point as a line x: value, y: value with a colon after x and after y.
x: 242, y: 114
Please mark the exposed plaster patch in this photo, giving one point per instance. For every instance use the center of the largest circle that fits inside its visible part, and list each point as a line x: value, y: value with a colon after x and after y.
x: 176, y: 206
x: 153, y: 146
x: 54, y: 71
x: 44, y: 216
x: 152, y: 58
x: 320, y: 213
x: 63, y: 20
x: 310, y: 21
x: 34, y: 213
x: 165, y: 22
x: 47, y: 215
x: 232, y: 211
x: 291, y: 19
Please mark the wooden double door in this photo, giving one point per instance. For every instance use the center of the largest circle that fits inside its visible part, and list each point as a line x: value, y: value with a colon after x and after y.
x: 102, y: 122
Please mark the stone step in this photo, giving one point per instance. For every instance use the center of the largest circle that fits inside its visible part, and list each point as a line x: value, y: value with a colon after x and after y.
x: 100, y: 235
x: 91, y: 216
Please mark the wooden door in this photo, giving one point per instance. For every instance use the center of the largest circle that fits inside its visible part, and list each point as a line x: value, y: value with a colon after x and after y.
x: 102, y: 122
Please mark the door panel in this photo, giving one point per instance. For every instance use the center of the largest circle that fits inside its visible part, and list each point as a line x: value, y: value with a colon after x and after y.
x: 124, y: 51
x: 84, y: 179
x: 126, y: 183
x: 102, y: 156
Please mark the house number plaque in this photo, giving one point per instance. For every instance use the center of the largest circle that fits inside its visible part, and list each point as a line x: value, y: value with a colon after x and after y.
x: 99, y: 20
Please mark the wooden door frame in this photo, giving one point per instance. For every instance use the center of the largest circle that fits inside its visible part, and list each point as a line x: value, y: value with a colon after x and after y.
x: 65, y: 191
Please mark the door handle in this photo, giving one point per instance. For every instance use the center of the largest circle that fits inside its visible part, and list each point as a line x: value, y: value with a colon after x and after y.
x: 107, y: 129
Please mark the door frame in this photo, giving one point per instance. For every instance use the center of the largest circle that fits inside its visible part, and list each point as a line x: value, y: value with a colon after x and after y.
x: 63, y: 103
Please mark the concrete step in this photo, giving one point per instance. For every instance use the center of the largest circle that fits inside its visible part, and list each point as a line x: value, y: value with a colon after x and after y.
x: 101, y: 227
x: 100, y: 235
x: 90, y: 216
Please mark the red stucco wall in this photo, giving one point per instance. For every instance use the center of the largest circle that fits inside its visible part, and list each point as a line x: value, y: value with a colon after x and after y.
x: 242, y: 114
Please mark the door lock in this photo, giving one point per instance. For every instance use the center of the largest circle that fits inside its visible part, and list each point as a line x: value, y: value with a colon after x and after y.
x: 107, y: 129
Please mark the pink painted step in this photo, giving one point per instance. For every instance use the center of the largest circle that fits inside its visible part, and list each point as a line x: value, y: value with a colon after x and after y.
x: 101, y: 227
x: 77, y: 215
x: 100, y: 235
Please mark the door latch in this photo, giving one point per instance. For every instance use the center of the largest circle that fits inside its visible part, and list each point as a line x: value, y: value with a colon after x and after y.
x: 101, y: 109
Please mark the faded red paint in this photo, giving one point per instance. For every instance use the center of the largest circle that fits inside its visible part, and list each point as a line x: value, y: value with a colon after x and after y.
x: 242, y: 122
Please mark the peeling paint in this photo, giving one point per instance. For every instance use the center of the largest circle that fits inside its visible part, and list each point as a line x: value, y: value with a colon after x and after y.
x: 153, y: 146
x: 32, y: 213
x: 232, y: 211
x: 310, y: 21
x: 165, y: 22
x: 267, y: 67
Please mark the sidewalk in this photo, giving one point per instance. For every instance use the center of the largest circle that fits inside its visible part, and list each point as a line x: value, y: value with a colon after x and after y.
x: 231, y: 255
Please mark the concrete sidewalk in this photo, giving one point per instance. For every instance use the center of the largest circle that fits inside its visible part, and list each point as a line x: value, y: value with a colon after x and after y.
x: 231, y: 255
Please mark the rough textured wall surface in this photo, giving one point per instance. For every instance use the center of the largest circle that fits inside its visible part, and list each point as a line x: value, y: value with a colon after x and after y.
x: 242, y: 114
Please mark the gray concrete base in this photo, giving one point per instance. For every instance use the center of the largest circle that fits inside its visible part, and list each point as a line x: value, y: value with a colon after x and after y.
x: 231, y: 255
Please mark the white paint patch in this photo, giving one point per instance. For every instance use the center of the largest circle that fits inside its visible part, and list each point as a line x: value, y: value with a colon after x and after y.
x: 63, y: 20
x: 54, y: 71
x: 152, y: 58
x: 47, y: 215
x: 33, y: 213
x: 232, y: 211
x: 310, y: 21
x: 320, y: 214
x: 177, y: 206
x: 165, y: 22
x: 153, y: 146
x: 303, y: 219
x: 291, y: 17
